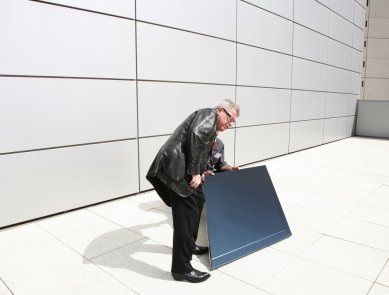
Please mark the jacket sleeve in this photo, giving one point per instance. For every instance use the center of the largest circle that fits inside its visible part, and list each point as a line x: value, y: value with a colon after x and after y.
x: 200, y: 137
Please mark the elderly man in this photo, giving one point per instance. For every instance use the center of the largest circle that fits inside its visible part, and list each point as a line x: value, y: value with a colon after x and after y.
x: 177, y: 173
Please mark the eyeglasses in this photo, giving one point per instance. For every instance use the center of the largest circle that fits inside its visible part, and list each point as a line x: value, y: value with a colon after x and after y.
x: 230, y: 118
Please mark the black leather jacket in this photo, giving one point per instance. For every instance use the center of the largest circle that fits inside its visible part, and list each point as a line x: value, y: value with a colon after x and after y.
x: 184, y: 154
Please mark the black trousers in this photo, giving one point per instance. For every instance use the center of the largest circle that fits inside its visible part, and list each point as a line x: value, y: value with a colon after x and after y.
x: 186, y: 219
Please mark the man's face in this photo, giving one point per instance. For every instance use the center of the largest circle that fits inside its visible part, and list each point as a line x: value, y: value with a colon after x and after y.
x: 225, y: 118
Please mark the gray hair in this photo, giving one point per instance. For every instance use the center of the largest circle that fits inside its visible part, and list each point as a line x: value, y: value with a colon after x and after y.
x: 228, y: 105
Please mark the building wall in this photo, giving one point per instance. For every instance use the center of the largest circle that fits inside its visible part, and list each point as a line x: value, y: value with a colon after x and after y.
x: 89, y: 90
x: 376, y: 53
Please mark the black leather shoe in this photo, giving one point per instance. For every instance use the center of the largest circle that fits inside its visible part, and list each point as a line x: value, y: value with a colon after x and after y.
x: 200, y: 250
x: 195, y: 276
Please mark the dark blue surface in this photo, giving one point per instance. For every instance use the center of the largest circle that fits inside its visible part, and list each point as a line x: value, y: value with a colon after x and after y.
x: 243, y: 214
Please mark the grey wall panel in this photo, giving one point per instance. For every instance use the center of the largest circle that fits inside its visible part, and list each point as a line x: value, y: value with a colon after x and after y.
x: 378, y: 48
x: 124, y: 8
x: 337, y: 104
x: 281, y: 7
x: 263, y: 105
x: 377, y: 67
x: 335, y: 129
x: 373, y: 118
x: 338, y: 80
x: 148, y: 149
x: 254, y: 24
x: 318, y: 44
x: 40, y: 183
x: 211, y: 17
x: 39, y: 113
x: 339, y: 55
x: 312, y: 14
x: 379, y: 8
x: 305, y: 134
x: 266, y: 141
x: 82, y: 44
x: 378, y: 27
x: 163, y: 106
x: 257, y: 67
x: 376, y: 89
x: 340, y: 29
x: 308, y: 75
x: 166, y: 54
x: 307, y: 105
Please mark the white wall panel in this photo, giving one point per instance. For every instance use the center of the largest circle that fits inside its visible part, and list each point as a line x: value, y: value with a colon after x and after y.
x: 211, y: 17
x: 167, y: 54
x: 337, y: 104
x: 356, y: 79
x: 266, y: 141
x: 281, y: 7
x: 358, y: 38
x: 325, y: 2
x: 339, y: 55
x: 318, y: 44
x: 124, y: 8
x: 163, y: 106
x: 359, y: 16
x: 356, y: 64
x: 148, y: 149
x: 263, y: 105
x: 305, y: 134
x: 82, y: 44
x: 40, y: 183
x: 351, y: 122
x: 40, y: 113
x: 311, y: 14
x: 335, y: 129
x: 345, y: 8
x: 254, y: 24
x: 307, y: 105
x: 340, y: 29
x: 338, y: 80
x: 352, y: 105
x: 362, y: 3
x: 228, y: 138
x: 308, y: 75
x: 258, y: 67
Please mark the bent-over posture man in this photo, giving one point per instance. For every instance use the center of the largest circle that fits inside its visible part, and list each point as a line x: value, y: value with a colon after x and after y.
x: 177, y: 173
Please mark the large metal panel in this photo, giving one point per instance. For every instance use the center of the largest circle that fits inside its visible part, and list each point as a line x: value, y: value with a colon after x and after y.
x: 243, y: 214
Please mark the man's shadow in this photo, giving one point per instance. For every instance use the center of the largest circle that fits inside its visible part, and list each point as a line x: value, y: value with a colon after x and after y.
x: 123, y: 256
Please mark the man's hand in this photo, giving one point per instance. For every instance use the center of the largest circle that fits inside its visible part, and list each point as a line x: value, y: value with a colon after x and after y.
x: 196, y: 181
x: 229, y: 168
x: 208, y: 173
